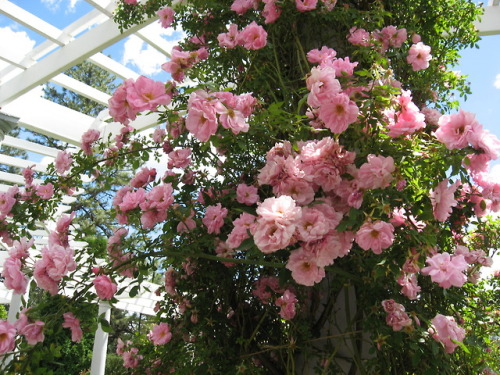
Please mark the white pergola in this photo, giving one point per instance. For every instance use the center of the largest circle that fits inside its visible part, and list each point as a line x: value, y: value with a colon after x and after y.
x: 84, y: 39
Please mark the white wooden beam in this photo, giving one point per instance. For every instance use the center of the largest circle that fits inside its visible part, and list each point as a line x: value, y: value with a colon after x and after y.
x: 88, y: 44
x: 49, y: 118
x: 113, y: 66
x: 33, y: 22
x: 21, y: 163
x: 81, y: 88
x: 29, y: 146
x: 490, y: 21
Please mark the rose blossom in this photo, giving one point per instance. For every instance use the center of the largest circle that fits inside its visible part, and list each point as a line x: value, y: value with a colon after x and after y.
x: 252, y: 37
x: 304, y: 267
x: 166, y: 16
x: 160, y: 334
x: 443, y: 199
x: 246, y: 194
x: 446, y: 270
x: 446, y: 331
x: 7, y: 337
x: 71, y: 322
x: 419, y: 56
x: 89, y: 137
x: 376, y: 236
x: 214, y: 218
x: 105, y: 288
x: 63, y: 162
x: 376, y: 172
x: 287, y: 304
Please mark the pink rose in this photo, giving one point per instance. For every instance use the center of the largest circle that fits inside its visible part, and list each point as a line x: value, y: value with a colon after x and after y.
x: 7, y: 337
x: 71, y: 322
x: 160, y: 334
x: 105, y: 288
x: 376, y: 236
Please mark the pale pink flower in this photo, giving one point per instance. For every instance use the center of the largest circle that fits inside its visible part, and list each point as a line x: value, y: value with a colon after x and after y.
x: 7, y: 201
x: 300, y: 190
x: 393, y: 37
x: 233, y: 119
x: 457, y: 130
x: 343, y: 67
x: 104, y: 287
x: 485, y: 142
x: 56, y: 262
x: 407, y: 120
x: 446, y: 270
x: 160, y: 334
x: 88, y: 138
x: 63, y: 162
x: 287, y: 304
x: 242, y: 225
x: 398, y: 320
x: 271, y: 11
x: 45, y: 191
x: 247, y: 194
x: 432, y: 115
x: 131, y: 358
x: 322, y: 85
x: 252, y: 37
x: 322, y: 55
x: 443, y: 199
x: 131, y: 2
x: 359, y: 37
x: 166, y: 17
x: 376, y: 172
x: 304, y: 267
x: 201, y: 120
x: 147, y: 94
x: 71, y: 322
x: 33, y: 332
x: 312, y: 225
x: 389, y: 305
x: 143, y: 177
x: 375, y: 236
x: 20, y: 249
x: 306, y: 5
x: 14, y: 278
x: 229, y: 39
x: 186, y: 224
x: 132, y: 199
x: 338, y: 112
x: 179, y: 158
x: 409, y: 285
x: 446, y: 330
x: 181, y: 61
x: 241, y: 6
x: 282, y: 210
x: 214, y: 218
x: 419, y: 56
x: 7, y: 337
x: 270, y: 236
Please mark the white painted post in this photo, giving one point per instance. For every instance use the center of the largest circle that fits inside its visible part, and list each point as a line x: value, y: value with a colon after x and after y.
x: 100, y: 343
x: 14, y: 307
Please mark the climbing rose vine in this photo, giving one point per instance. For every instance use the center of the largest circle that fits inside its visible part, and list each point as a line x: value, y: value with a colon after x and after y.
x: 311, y: 198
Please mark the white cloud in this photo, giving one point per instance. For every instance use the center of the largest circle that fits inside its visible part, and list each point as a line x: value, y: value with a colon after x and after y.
x: 14, y: 44
x: 497, y: 81
x: 495, y: 173
x: 53, y: 5
x: 147, y: 59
